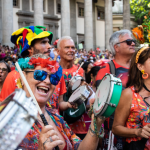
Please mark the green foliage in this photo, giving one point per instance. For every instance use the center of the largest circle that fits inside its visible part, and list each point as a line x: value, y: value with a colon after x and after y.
x: 139, y: 8
x: 146, y: 27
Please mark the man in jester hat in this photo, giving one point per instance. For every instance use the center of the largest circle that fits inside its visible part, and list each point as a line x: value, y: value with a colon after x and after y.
x: 31, y: 40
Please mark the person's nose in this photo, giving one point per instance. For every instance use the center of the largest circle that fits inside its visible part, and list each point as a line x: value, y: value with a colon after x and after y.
x: 48, y: 46
x: 133, y: 43
x: 47, y: 80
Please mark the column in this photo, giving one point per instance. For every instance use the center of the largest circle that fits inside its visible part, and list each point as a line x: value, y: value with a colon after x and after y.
x: 126, y: 14
x: 56, y: 30
x: 88, y: 24
x: 7, y: 21
x: 65, y: 18
x: 38, y: 12
x: 108, y: 22
x: 73, y: 27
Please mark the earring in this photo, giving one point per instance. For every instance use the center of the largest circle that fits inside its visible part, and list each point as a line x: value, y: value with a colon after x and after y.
x: 144, y: 75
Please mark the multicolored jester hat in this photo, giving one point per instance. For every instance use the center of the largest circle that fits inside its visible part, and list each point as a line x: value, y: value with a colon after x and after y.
x: 23, y: 37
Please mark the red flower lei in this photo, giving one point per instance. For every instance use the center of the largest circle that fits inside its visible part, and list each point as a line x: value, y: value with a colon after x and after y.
x: 45, y: 63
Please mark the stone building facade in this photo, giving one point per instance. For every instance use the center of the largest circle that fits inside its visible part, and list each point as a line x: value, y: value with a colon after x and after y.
x: 88, y: 21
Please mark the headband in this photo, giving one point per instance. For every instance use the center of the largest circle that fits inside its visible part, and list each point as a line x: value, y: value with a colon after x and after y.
x: 139, y: 53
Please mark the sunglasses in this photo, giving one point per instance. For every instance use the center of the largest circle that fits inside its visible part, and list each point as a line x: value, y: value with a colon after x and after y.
x: 128, y: 41
x: 3, y: 69
x: 41, y: 75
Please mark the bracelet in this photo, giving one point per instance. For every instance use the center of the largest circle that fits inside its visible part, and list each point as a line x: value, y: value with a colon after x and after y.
x: 96, y: 132
x: 92, y: 130
x: 100, y: 134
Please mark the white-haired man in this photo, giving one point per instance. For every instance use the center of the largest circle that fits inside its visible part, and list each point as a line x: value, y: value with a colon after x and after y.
x: 66, y: 50
x: 122, y: 46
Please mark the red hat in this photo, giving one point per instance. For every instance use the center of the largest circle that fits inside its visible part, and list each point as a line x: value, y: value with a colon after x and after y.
x: 56, y: 41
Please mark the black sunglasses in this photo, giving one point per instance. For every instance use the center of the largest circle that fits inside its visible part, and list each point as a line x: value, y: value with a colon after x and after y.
x: 128, y: 41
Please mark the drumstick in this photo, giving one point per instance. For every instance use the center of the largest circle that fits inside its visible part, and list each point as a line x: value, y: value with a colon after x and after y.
x: 77, y: 71
x: 32, y: 95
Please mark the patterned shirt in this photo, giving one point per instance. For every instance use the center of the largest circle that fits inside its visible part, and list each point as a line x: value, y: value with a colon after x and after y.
x: 30, y: 142
x: 139, y: 116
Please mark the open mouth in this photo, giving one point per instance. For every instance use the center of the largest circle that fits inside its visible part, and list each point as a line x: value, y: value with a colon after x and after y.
x: 44, y: 90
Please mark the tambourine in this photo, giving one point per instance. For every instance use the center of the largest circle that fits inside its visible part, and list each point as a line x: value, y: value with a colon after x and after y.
x: 80, y: 95
x: 107, y: 96
x: 17, y: 115
x: 75, y: 82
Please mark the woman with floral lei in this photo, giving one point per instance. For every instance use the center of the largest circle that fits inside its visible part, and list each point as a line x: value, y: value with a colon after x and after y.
x: 132, y: 115
x: 42, y: 75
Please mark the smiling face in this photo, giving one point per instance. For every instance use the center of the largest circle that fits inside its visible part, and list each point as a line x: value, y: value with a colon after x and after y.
x: 42, y: 90
x: 40, y: 46
x: 67, y: 50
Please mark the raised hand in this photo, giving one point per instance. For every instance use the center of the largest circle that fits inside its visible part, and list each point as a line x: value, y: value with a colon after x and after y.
x: 48, y: 138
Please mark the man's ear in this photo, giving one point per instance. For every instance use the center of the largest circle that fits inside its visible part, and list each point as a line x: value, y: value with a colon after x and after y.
x: 116, y: 48
x: 30, y: 50
x: 58, y: 51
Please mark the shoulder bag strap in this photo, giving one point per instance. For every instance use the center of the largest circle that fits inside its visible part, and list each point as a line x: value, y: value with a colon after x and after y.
x: 112, y: 67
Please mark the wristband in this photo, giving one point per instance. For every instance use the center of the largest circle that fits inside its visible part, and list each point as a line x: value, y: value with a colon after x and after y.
x: 100, y: 134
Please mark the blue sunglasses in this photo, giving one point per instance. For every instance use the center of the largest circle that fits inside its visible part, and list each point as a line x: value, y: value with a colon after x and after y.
x: 41, y: 75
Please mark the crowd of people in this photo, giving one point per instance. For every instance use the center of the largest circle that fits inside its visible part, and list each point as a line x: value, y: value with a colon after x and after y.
x: 49, y: 70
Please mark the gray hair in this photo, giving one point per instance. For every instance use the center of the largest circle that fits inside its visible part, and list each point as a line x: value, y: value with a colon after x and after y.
x: 63, y: 38
x: 115, y: 38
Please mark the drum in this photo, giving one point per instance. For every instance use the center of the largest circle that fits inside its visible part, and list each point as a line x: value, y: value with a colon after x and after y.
x: 107, y: 96
x: 80, y: 95
x: 17, y: 115
x: 75, y: 83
